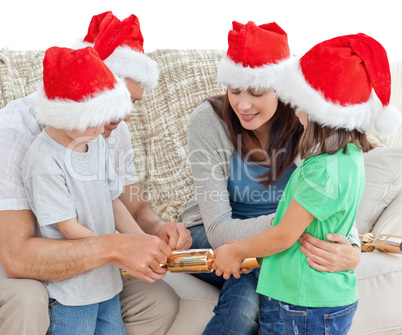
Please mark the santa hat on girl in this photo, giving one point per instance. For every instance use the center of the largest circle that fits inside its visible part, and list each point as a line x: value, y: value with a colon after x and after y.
x: 120, y: 46
x: 79, y: 91
x: 253, y: 52
x: 336, y: 84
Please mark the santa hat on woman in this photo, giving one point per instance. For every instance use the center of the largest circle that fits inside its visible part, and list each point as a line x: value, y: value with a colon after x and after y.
x: 336, y: 84
x: 253, y: 52
x: 79, y: 91
x: 120, y: 46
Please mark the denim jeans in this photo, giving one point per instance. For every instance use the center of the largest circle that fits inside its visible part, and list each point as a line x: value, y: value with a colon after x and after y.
x: 103, y: 318
x: 321, y: 320
x: 238, y: 308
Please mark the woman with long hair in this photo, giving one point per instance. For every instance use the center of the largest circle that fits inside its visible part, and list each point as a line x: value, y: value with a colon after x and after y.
x: 243, y: 148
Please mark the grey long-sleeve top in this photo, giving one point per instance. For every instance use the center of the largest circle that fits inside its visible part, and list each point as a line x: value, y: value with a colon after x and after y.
x: 210, y: 151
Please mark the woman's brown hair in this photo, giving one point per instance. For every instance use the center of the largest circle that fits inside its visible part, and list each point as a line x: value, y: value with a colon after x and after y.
x: 283, y: 144
x: 318, y: 140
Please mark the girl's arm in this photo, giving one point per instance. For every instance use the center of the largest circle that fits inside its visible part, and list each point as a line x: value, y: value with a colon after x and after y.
x: 270, y: 241
x: 124, y: 221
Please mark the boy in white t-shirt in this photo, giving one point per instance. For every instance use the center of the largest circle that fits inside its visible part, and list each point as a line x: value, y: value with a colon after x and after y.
x: 71, y: 186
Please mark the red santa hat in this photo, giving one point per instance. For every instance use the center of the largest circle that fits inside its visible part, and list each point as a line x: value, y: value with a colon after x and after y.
x: 253, y: 51
x: 337, y: 83
x: 120, y: 46
x: 79, y: 91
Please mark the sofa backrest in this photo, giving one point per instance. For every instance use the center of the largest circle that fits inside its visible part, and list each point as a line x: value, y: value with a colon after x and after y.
x: 396, y: 100
x: 159, y: 125
x: 20, y: 73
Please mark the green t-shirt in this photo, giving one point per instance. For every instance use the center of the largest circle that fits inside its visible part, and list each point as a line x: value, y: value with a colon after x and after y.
x: 330, y: 188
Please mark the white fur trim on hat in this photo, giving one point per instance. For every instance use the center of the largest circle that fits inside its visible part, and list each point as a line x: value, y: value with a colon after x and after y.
x: 291, y: 87
x: 128, y: 63
x: 236, y: 76
x: 105, y: 107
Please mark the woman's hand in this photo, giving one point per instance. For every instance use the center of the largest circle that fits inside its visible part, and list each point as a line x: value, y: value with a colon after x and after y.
x: 329, y: 256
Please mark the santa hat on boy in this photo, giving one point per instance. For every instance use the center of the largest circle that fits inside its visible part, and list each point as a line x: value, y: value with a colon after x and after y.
x: 336, y: 84
x: 79, y: 91
x: 253, y: 52
x: 120, y: 46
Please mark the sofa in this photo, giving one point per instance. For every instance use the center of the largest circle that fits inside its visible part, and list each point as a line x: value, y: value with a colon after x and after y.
x: 158, y: 128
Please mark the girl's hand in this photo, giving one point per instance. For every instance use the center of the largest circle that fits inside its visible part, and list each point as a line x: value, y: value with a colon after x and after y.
x: 328, y: 256
x: 227, y: 262
x: 246, y: 270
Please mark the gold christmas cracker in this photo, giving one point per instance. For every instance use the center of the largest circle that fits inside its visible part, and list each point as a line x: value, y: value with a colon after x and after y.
x: 196, y: 261
x: 384, y: 243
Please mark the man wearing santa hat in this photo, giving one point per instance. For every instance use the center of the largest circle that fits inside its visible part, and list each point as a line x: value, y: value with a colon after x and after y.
x: 149, y: 306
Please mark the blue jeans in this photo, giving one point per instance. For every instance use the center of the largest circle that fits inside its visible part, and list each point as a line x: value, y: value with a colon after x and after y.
x: 238, y: 308
x: 103, y: 318
x: 321, y: 320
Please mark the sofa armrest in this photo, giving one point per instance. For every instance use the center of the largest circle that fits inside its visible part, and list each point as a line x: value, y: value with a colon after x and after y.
x: 390, y: 220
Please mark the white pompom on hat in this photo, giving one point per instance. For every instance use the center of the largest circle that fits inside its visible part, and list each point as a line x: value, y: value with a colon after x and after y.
x: 337, y: 83
x: 252, y: 53
x: 79, y: 91
x: 120, y: 46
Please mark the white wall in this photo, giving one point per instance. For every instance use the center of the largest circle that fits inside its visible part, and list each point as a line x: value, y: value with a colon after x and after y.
x: 28, y: 24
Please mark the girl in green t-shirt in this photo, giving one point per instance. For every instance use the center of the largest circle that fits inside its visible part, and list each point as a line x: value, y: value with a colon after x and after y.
x: 332, y: 90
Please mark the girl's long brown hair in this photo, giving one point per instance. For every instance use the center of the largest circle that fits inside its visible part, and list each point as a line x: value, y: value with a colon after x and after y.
x: 283, y: 144
x: 318, y: 140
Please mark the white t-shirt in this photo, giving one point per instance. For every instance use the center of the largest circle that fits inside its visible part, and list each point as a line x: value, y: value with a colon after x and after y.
x: 63, y: 184
x: 18, y: 129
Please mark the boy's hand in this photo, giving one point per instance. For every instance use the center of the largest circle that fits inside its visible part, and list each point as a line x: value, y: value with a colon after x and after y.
x: 141, y: 255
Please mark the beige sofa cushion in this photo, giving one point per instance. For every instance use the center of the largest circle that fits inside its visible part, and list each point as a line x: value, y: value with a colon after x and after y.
x: 379, y: 276
x: 390, y: 221
x: 383, y: 168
